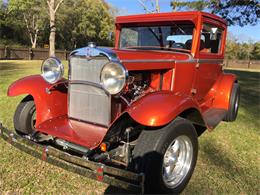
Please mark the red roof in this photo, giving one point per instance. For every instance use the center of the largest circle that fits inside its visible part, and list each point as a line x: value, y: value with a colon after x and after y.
x: 168, y: 16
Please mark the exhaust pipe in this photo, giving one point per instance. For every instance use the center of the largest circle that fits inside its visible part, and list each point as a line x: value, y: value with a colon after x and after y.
x: 70, y: 146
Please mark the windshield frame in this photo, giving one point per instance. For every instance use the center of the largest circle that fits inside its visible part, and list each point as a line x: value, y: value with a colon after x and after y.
x: 158, y: 48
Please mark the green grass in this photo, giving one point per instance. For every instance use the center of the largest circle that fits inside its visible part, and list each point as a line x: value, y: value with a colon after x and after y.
x: 228, y: 162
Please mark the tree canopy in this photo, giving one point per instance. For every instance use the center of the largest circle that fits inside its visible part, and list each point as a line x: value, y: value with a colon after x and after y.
x: 87, y: 21
x: 242, y: 51
x: 236, y: 12
x: 81, y: 21
x: 26, y: 22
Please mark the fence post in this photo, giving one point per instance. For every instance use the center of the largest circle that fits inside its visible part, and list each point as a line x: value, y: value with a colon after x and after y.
x: 6, y: 53
x: 30, y: 54
x: 65, y: 54
x: 227, y: 62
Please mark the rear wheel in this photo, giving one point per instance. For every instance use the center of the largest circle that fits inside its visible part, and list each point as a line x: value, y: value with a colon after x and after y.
x: 167, y: 156
x: 25, y: 117
x: 233, y: 103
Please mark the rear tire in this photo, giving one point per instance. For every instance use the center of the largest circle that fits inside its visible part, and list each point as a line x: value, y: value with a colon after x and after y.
x: 233, y: 103
x: 153, y: 155
x: 25, y: 117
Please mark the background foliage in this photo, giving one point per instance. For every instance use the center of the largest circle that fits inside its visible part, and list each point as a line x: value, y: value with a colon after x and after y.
x: 78, y: 22
x: 235, y: 12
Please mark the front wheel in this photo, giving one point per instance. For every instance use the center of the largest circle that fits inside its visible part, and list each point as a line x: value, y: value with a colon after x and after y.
x: 25, y: 117
x: 167, y: 156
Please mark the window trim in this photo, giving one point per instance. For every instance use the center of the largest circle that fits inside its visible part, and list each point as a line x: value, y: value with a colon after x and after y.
x: 156, y: 24
x: 220, y: 52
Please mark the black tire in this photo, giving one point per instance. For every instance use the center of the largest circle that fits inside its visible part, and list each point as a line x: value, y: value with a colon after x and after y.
x: 233, y: 103
x: 149, y: 152
x: 24, y: 117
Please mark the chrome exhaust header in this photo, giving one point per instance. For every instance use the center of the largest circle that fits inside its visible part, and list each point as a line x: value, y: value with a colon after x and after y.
x: 70, y: 146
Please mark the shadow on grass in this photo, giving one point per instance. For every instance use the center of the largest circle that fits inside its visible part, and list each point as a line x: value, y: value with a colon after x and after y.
x: 230, y: 168
x: 13, y: 65
x: 7, y: 66
x: 115, y: 190
x: 250, y: 92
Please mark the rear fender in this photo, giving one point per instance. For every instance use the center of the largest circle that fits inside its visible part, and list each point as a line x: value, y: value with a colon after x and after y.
x: 160, y: 108
x: 48, y: 105
x: 223, y: 91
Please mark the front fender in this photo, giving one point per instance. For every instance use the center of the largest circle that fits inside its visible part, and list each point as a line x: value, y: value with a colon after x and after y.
x: 160, y: 108
x: 48, y: 105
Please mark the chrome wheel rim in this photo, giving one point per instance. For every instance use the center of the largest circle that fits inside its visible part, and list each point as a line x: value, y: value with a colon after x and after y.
x: 177, y: 161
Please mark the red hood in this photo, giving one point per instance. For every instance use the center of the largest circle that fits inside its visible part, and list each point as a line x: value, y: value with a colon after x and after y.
x: 144, y: 60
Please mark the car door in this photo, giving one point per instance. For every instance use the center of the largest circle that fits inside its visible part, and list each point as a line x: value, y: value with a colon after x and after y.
x: 210, y: 60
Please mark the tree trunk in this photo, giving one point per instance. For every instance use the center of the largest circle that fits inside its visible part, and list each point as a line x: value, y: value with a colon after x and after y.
x: 52, y: 27
x: 32, y: 29
x: 34, y: 44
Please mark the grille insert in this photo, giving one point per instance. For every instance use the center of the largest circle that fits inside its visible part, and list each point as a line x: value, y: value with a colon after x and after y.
x: 88, y: 102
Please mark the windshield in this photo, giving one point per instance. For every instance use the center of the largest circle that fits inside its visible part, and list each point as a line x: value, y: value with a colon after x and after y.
x: 168, y: 37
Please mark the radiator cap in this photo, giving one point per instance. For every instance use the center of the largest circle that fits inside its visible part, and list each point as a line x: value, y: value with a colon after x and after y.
x: 92, y: 44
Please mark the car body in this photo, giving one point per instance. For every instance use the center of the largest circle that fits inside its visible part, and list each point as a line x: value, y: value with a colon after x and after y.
x: 164, y: 68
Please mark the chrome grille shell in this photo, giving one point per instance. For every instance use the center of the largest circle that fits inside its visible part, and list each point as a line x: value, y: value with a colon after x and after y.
x: 88, y: 101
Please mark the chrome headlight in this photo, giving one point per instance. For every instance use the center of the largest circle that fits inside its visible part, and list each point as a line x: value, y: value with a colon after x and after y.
x: 52, y: 70
x: 113, y: 77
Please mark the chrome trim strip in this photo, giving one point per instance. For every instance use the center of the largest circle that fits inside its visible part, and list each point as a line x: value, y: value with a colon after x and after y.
x: 91, y: 123
x: 192, y: 60
x: 210, y: 60
x: 160, y: 51
x: 89, y: 83
x: 90, y: 52
x: 142, y: 61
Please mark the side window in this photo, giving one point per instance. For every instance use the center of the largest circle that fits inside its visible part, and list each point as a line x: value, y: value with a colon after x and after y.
x: 211, y: 37
x: 129, y: 37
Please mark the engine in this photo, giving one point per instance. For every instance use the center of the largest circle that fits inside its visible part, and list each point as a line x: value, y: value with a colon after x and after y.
x: 138, y: 84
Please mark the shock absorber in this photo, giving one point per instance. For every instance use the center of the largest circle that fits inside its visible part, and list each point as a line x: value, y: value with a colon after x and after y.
x: 127, y: 146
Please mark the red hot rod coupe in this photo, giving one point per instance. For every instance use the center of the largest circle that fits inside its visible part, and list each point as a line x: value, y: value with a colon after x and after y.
x: 131, y: 116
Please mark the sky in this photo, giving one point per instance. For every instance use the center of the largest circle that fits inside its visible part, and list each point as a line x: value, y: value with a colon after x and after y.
x: 128, y: 7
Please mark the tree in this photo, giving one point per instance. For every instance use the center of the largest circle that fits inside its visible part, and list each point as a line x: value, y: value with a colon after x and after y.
x: 255, y: 54
x: 53, y: 6
x: 77, y: 22
x: 30, y: 12
x: 155, y: 7
x: 236, y: 12
x: 242, y: 51
x: 87, y: 20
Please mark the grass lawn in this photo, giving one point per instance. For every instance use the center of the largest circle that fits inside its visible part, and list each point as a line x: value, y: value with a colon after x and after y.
x: 228, y: 162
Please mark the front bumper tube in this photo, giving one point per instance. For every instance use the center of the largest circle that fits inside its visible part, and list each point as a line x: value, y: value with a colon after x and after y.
x: 98, y: 171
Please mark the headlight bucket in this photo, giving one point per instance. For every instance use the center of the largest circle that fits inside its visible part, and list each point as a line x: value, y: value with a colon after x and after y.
x: 113, y: 77
x: 52, y: 70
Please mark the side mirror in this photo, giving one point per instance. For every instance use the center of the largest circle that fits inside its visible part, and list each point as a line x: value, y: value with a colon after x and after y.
x: 213, y: 33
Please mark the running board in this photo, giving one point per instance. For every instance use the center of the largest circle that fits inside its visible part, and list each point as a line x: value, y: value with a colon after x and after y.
x: 214, y: 116
x: 98, y: 171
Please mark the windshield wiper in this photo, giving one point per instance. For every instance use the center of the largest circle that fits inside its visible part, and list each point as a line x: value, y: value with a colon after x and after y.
x: 160, y: 40
x: 182, y: 31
